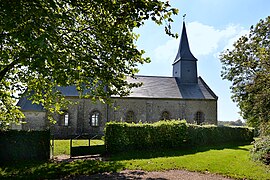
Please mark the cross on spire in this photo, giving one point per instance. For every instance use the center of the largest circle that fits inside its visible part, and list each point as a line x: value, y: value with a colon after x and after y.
x: 184, y: 17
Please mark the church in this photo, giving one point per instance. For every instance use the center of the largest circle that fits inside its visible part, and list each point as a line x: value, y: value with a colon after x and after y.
x: 184, y: 95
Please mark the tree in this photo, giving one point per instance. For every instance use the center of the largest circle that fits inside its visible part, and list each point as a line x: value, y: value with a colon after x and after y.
x: 89, y: 44
x: 248, y: 67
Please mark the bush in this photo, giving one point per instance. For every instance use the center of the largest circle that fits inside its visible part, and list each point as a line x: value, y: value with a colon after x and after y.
x: 120, y: 136
x: 24, y: 145
x: 261, y: 150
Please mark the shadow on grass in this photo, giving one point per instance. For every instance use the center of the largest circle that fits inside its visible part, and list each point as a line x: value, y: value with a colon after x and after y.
x: 53, y: 170
x: 155, y: 153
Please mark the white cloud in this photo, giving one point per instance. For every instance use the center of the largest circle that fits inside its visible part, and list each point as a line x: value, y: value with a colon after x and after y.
x: 230, y: 42
x: 166, y: 51
x: 203, y: 40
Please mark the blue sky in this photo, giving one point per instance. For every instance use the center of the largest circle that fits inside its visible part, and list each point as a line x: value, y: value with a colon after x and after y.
x: 212, y: 26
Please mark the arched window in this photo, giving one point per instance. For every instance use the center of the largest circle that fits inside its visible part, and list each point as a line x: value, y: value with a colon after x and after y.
x: 165, y: 115
x: 64, y: 119
x: 130, y: 116
x: 95, y: 118
x: 199, y: 117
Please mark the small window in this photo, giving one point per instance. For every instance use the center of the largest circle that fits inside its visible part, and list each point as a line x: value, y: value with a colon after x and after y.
x: 95, y: 117
x: 199, y: 117
x: 64, y: 119
x: 130, y: 117
x: 165, y: 115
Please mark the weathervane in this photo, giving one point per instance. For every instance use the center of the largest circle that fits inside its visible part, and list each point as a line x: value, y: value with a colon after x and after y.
x: 184, y: 17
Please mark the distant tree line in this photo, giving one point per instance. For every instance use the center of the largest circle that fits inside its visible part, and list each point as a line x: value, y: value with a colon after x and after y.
x: 231, y: 123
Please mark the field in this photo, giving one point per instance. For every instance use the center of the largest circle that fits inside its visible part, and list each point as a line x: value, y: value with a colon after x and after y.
x: 227, y: 160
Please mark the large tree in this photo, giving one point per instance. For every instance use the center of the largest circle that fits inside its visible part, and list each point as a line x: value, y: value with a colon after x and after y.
x: 247, y: 65
x: 87, y: 43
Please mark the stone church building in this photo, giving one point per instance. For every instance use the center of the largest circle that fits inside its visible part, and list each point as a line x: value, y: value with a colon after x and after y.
x: 184, y: 95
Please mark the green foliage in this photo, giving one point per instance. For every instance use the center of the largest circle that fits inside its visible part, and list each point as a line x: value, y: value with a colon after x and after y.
x: 16, y: 146
x: 9, y: 112
x: 90, y: 44
x: 122, y: 136
x: 261, y: 150
x: 210, y: 135
x: 247, y: 66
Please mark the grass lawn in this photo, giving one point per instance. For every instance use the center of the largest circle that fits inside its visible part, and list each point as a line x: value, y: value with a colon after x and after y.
x: 232, y: 161
x: 63, y: 146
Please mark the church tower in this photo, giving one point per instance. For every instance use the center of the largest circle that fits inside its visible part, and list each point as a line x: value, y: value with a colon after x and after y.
x: 185, y: 64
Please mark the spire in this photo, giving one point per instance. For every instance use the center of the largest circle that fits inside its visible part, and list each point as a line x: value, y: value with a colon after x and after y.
x: 184, y: 50
x: 185, y: 64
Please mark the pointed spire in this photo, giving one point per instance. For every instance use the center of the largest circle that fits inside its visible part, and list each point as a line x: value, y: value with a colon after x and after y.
x: 184, y: 52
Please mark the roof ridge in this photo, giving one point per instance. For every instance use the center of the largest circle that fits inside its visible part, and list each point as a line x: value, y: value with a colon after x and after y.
x: 154, y: 76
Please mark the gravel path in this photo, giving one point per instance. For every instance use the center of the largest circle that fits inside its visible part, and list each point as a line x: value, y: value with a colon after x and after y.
x: 161, y: 175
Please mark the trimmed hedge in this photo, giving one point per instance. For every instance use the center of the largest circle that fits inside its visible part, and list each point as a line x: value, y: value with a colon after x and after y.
x: 213, y: 135
x: 24, y: 145
x: 122, y: 136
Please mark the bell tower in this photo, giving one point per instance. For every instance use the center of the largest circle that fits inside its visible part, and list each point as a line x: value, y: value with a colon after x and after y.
x: 185, y: 64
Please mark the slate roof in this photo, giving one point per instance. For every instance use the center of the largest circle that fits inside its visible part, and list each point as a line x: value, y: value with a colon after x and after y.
x: 26, y: 105
x: 154, y: 87
x: 170, y: 88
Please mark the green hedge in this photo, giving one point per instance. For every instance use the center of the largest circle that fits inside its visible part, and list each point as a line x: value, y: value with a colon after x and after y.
x: 212, y: 135
x: 24, y: 145
x: 121, y: 136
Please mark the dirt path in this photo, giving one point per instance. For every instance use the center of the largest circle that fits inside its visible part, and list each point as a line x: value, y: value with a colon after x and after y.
x: 161, y: 175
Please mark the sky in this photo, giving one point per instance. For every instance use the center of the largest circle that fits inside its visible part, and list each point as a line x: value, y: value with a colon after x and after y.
x: 212, y: 27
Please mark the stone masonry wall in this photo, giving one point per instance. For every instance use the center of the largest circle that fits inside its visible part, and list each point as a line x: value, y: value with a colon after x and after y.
x: 145, y: 110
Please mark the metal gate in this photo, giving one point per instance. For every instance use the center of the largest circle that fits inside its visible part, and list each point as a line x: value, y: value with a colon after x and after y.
x: 85, y: 150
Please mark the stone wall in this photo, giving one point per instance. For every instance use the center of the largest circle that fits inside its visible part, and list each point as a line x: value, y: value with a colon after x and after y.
x: 150, y: 110
x: 34, y: 120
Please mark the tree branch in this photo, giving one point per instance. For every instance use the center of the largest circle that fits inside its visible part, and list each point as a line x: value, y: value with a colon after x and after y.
x: 8, y: 67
